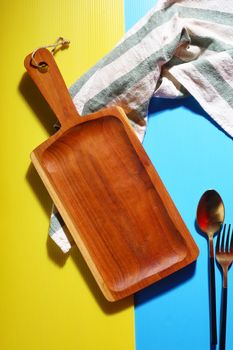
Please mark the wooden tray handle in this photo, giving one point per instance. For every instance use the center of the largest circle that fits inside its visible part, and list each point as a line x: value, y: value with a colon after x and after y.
x: 52, y: 86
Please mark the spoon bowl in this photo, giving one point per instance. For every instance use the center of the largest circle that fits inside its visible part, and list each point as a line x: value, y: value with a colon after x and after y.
x: 210, y: 212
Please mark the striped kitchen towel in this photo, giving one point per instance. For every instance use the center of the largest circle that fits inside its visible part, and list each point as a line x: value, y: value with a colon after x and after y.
x: 178, y: 48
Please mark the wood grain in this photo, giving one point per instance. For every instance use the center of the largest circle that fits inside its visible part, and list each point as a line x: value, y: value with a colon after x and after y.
x: 108, y: 193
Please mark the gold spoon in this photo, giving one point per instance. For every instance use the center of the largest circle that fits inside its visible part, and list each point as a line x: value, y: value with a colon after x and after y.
x: 210, y: 216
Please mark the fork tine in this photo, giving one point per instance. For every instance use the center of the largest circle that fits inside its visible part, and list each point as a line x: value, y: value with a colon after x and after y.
x: 227, y: 250
x: 223, y: 238
x: 218, y: 240
x: 231, y: 243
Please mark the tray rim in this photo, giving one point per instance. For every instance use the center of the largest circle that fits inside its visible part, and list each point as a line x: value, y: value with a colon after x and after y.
x: 192, y: 250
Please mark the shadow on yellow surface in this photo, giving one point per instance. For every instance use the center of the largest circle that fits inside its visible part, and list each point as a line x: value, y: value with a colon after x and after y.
x: 39, y: 189
x: 37, y: 103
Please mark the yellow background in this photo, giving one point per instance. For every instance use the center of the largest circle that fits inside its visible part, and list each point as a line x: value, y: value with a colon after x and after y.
x: 48, y: 300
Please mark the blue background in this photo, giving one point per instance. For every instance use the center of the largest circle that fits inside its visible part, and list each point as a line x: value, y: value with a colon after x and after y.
x: 191, y: 154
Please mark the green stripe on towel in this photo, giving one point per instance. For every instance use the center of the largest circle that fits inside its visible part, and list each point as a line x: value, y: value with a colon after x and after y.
x: 125, y: 82
x: 216, y: 80
x: 157, y: 19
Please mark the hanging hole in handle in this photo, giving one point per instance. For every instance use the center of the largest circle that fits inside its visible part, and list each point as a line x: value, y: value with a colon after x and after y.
x: 43, y: 67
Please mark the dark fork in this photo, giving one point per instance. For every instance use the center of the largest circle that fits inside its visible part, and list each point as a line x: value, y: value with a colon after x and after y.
x: 224, y: 256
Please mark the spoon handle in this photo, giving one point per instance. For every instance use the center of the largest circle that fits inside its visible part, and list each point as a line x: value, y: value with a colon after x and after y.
x: 212, y: 294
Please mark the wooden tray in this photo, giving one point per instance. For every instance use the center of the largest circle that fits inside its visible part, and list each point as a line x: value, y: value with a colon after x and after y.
x: 108, y: 193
